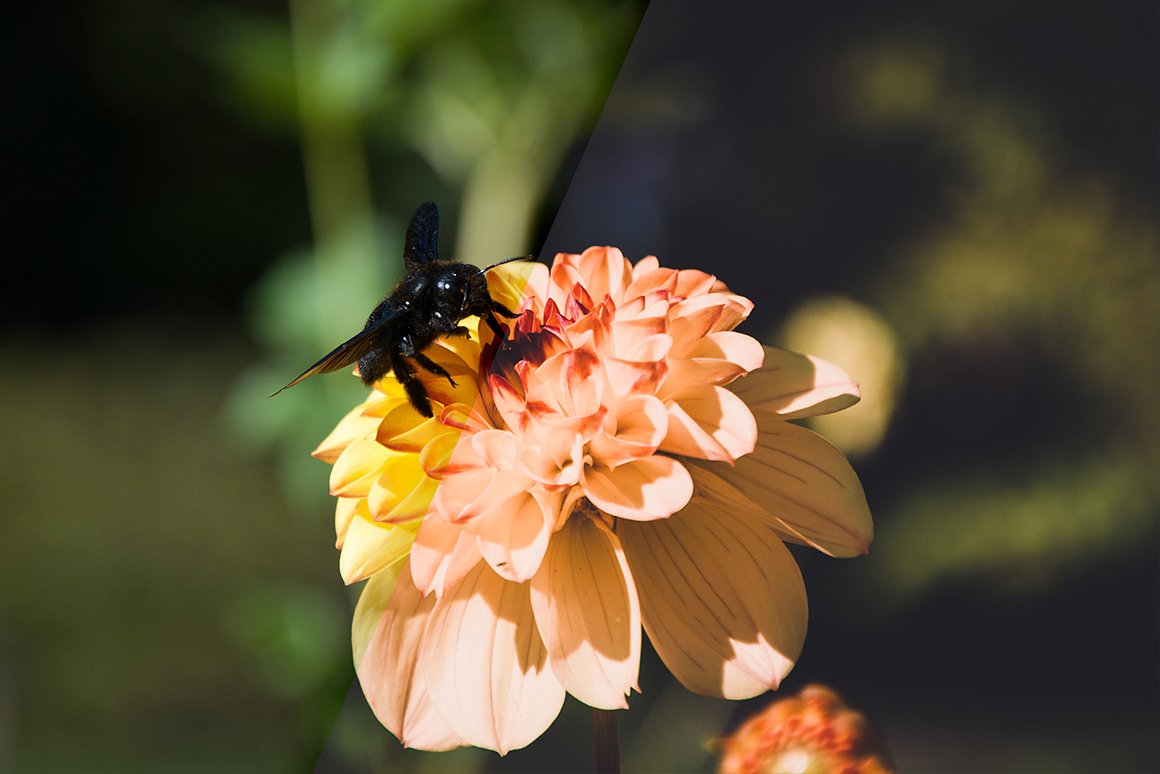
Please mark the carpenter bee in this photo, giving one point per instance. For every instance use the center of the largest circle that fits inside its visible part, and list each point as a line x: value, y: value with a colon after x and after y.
x: 427, y: 303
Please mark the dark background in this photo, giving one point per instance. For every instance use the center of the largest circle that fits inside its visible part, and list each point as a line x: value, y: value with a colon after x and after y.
x: 965, y: 193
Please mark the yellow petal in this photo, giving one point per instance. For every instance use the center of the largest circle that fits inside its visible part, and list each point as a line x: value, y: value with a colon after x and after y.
x: 343, y: 513
x: 370, y: 546
x: 354, y: 425
x: 485, y: 665
x: 357, y: 467
x: 587, y: 611
x: 795, y: 386
x: 511, y: 283
x: 721, y: 599
x: 402, y: 490
x: 388, y: 636
x: 405, y: 429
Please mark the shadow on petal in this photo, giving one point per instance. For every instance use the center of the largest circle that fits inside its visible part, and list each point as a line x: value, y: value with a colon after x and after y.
x: 721, y: 598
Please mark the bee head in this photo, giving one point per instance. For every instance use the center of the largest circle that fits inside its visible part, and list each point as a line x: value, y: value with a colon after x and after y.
x: 453, y: 289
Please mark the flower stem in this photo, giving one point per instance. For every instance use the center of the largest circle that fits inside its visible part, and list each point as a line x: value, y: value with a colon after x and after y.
x: 607, y: 744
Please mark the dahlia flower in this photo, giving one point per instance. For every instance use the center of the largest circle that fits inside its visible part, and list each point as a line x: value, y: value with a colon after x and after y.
x: 622, y: 459
x: 811, y: 733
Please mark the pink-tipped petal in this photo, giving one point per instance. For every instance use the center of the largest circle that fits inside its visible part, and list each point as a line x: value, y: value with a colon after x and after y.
x: 388, y: 638
x: 485, y: 666
x: 642, y: 490
x: 514, y: 536
x: 586, y: 608
x: 721, y: 598
x: 800, y: 483
x: 710, y: 423
x: 795, y: 386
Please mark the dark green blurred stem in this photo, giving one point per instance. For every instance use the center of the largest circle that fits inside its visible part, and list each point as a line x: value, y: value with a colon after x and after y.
x: 606, y: 740
x: 332, y: 141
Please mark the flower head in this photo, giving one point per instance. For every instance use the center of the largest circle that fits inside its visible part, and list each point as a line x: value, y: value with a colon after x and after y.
x: 811, y: 733
x: 621, y: 460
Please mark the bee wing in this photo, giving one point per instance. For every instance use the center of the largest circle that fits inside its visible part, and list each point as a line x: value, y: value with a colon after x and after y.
x: 344, y: 354
x: 422, y: 245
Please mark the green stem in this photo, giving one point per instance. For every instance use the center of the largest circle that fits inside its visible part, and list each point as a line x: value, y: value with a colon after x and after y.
x: 606, y: 740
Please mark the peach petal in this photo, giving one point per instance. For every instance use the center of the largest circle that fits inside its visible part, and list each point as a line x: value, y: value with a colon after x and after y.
x: 458, y: 497
x: 643, y: 490
x: 627, y: 377
x: 352, y: 426
x: 744, y: 351
x: 710, y: 423
x: 388, y: 638
x: 645, y: 265
x: 564, y: 277
x: 795, y: 386
x: 497, y: 448
x: 797, y: 481
x: 357, y: 467
x: 441, y: 555
x: 604, y: 272
x: 645, y: 279
x: 558, y: 462
x: 508, y: 401
x: 485, y: 665
x: 714, y: 358
x: 733, y: 309
x: 630, y: 336
x: 587, y: 611
x: 514, y: 536
x: 689, y: 328
x: 370, y: 546
x: 635, y: 430
x: 692, y: 282
x: 648, y: 348
x: 721, y: 599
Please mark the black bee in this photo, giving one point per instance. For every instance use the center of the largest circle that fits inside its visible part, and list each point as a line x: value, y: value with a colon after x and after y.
x: 427, y: 303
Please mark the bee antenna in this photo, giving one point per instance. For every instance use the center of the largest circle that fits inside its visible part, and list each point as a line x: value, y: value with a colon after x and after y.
x: 509, y: 260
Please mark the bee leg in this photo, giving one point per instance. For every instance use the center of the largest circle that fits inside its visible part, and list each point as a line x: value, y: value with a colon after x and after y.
x: 461, y: 331
x: 433, y: 367
x: 499, y: 330
x: 416, y: 393
x: 500, y: 309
